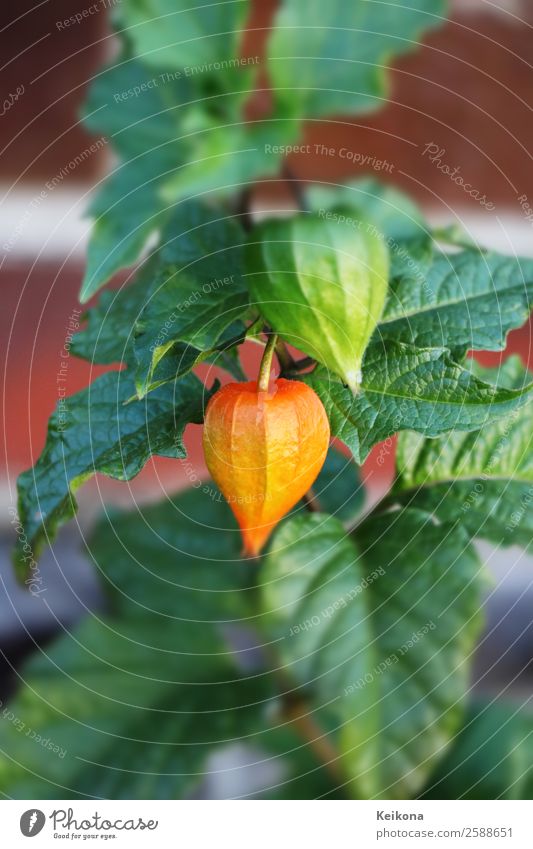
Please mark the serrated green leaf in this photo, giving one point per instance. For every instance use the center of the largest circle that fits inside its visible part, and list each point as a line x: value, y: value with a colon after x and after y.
x: 331, y: 58
x: 407, y: 388
x: 94, y: 431
x: 411, y: 260
x: 465, y: 300
x: 390, y: 210
x: 484, y: 479
x: 180, y: 359
x: 177, y: 294
x: 455, y: 235
x: 109, y: 332
x: 197, y: 294
x: 320, y: 281
x: 378, y: 636
x: 107, y: 336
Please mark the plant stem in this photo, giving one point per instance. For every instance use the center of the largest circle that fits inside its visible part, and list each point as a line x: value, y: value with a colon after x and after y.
x: 296, y: 712
x: 297, y: 188
x: 266, y: 364
x: 282, y: 353
x: 305, y: 362
x: 243, y: 209
x: 311, y: 502
x: 298, y: 715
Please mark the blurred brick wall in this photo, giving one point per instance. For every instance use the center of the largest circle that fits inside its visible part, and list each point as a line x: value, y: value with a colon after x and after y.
x: 41, y: 129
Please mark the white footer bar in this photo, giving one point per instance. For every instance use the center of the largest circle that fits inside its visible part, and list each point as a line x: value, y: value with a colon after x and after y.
x: 268, y: 824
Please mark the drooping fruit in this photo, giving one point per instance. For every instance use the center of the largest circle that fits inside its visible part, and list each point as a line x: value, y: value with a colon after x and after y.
x: 320, y: 280
x: 264, y: 450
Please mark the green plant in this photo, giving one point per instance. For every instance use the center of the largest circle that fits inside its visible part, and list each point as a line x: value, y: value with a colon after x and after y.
x: 369, y: 619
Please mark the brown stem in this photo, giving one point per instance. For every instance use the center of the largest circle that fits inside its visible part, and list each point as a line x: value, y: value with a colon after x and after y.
x: 295, y: 711
x: 298, y: 715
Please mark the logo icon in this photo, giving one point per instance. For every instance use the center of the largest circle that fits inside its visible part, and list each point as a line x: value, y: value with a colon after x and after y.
x: 32, y: 822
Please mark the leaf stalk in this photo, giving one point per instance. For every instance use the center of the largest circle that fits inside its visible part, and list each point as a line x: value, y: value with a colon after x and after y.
x: 266, y: 364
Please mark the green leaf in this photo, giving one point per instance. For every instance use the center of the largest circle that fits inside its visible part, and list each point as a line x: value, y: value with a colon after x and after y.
x: 228, y: 158
x: 455, y: 235
x: 107, y: 336
x: 338, y: 488
x: 331, y: 58
x: 121, y: 725
x: 411, y: 261
x: 484, y: 479
x: 193, y: 36
x: 377, y: 634
x: 490, y: 758
x: 139, y: 114
x: 465, y: 300
x: 190, y: 289
x: 320, y: 282
x: 171, y: 148
x: 407, y: 388
x: 197, y: 293
x: 392, y: 212
x: 132, y: 705
x: 155, y: 561
x: 180, y: 359
x: 94, y: 431
x: 127, y: 212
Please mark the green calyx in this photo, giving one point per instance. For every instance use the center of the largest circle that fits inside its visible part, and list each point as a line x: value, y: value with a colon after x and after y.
x: 320, y: 281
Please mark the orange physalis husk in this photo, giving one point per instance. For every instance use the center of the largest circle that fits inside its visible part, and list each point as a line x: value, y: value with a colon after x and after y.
x: 264, y: 450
